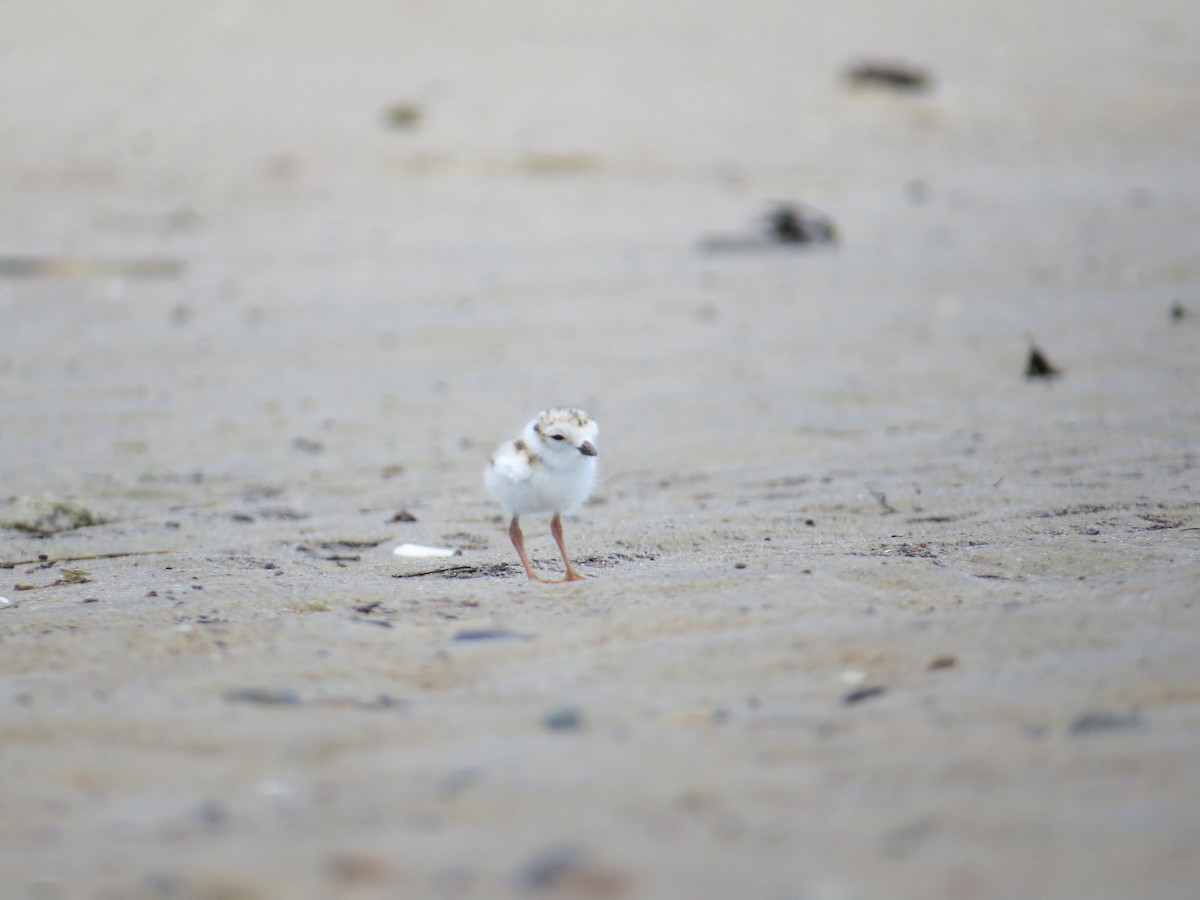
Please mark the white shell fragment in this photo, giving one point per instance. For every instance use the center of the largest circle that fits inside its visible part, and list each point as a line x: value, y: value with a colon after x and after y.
x: 4, y: 601
x: 419, y: 551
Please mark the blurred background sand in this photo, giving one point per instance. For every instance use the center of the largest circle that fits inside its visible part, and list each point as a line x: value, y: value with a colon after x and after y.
x: 272, y: 273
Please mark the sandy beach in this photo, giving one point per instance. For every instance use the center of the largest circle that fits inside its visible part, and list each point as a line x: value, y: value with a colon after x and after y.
x: 869, y: 613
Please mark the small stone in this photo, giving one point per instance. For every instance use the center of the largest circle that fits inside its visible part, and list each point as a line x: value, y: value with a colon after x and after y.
x: 863, y: 693
x: 799, y: 224
x: 263, y: 696
x: 403, y: 516
x: 897, y: 76
x: 402, y: 116
x: 359, y: 869
x: 307, y: 445
x: 563, y: 718
x: 1101, y: 720
x: 550, y: 866
x: 491, y: 634
x: 1037, y: 366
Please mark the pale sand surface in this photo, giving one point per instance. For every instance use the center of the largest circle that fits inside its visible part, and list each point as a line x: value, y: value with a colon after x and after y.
x: 821, y: 471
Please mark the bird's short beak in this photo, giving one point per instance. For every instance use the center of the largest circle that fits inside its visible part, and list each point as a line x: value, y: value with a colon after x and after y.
x: 587, y: 449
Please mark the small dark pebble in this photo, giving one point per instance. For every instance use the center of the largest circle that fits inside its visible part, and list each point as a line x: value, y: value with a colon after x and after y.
x: 1038, y: 366
x: 1178, y: 312
x: 165, y: 884
x: 943, y: 662
x: 307, y: 445
x: 739, y: 565
x: 796, y: 224
x: 918, y: 190
x: 403, y: 516
x: 358, y: 869
x: 491, y: 634
x: 263, y: 696
x: 1091, y: 531
x: 152, y: 594
x: 242, y: 517
x: 811, y: 523
x: 1098, y: 720
x: 863, y: 693
x: 90, y: 600
x: 894, y: 75
x: 384, y: 701
x: 550, y: 866
x: 365, y: 608
x: 402, y: 116
x: 212, y: 814
x: 563, y: 718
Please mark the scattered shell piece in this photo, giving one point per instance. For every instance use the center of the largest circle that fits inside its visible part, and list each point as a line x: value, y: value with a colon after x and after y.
x: 420, y: 551
x: 4, y: 601
x: 852, y: 677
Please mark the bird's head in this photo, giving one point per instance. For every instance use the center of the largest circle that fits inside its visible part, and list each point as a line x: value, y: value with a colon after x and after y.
x: 563, y: 435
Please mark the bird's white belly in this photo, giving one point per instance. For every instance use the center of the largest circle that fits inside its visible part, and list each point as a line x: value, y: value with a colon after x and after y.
x: 546, y: 490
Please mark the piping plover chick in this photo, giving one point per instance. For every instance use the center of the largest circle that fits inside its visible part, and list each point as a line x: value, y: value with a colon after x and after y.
x: 549, y: 468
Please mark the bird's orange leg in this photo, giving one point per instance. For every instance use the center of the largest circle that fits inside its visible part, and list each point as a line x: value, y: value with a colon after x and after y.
x: 518, y: 541
x: 556, y: 530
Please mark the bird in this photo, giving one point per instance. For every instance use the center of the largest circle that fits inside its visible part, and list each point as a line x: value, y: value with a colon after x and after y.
x: 550, y: 468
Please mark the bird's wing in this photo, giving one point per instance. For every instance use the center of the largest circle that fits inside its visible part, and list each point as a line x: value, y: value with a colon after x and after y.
x: 512, y: 464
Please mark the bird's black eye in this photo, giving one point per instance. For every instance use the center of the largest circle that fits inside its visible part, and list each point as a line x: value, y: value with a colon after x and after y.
x: 558, y: 437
